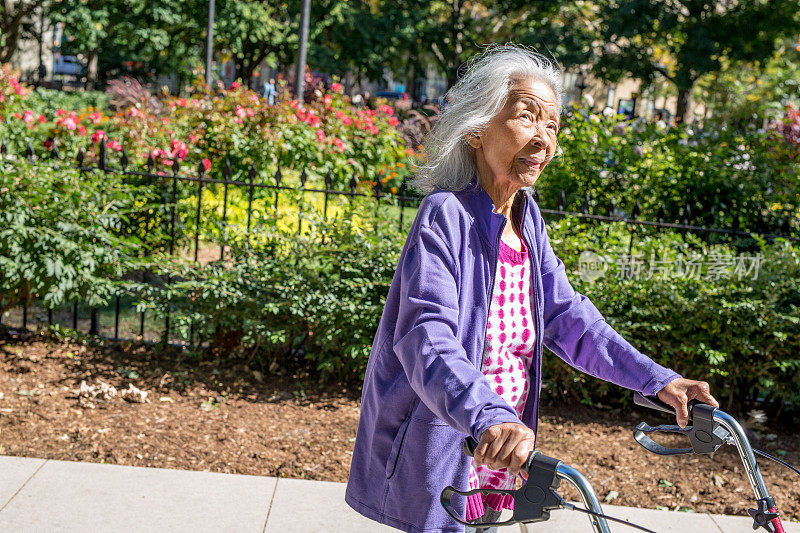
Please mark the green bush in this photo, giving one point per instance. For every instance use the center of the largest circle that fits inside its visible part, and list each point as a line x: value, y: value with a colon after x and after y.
x: 295, y: 300
x: 315, y: 300
x: 741, y: 335
x: 59, y: 235
x: 719, y: 173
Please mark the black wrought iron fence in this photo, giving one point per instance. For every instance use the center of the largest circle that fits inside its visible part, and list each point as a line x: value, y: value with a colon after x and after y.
x: 402, y: 199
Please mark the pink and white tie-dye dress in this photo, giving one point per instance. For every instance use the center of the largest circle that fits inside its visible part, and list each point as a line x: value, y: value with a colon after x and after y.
x: 507, y: 357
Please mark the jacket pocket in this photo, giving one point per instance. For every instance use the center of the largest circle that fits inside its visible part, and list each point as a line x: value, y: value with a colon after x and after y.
x: 391, y: 463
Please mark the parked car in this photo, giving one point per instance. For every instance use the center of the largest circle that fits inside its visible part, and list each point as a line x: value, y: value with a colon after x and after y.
x: 392, y: 95
x: 68, y: 66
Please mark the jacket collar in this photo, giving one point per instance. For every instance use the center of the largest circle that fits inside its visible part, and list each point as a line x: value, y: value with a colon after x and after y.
x: 482, y: 208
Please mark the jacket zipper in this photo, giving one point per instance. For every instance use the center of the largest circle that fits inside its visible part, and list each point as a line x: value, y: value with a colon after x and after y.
x: 537, y: 352
x: 493, y: 268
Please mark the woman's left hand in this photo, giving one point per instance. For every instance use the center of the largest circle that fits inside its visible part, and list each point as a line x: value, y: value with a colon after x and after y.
x: 679, y: 391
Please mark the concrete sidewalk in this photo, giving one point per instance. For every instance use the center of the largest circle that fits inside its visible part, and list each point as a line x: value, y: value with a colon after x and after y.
x: 44, y: 495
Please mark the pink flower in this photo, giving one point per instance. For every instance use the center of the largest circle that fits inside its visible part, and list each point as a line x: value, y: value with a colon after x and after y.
x: 98, y: 135
x: 61, y: 112
x: 337, y: 142
x: 393, y: 121
x: 351, y: 161
x: 206, y: 164
x: 42, y: 119
x: 240, y: 112
x: 320, y: 135
x: 114, y: 145
x: 178, y: 149
x: 95, y: 117
x: 134, y: 112
x: 235, y: 85
x: 387, y: 109
x: 82, y: 130
x: 373, y: 130
x: 327, y: 99
x: 69, y: 123
x: 250, y: 112
x: 336, y: 87
x: 192, y: 138
x: 347, y: 120
x: 237, y: 120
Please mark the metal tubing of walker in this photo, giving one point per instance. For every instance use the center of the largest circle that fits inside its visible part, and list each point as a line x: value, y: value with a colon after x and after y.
x: 745, y: 452
x: 577, y: 480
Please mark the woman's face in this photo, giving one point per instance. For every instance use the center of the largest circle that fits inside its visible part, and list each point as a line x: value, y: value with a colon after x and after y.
x: 521, y: 139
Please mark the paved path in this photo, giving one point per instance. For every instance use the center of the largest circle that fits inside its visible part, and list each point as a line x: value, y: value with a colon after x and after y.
x: 55, y: 496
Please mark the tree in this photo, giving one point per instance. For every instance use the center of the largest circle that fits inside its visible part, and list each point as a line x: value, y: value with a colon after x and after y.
x: 251, y: 31
x: 14, y: 17
x: 683, y: 40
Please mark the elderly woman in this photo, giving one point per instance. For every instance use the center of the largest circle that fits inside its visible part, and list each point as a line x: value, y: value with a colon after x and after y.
x: 477, y: 292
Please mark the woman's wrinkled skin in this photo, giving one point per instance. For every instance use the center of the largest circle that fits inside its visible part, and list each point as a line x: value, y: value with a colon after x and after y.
x: 510, y: 153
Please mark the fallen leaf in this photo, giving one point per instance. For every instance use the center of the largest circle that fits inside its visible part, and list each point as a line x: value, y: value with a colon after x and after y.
x: 612, y: 495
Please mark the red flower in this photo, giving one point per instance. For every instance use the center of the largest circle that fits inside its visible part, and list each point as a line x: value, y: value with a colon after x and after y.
x: 206, y: 164
x: 235, y: 85
x: 81, y: 130
x: 336, y: 87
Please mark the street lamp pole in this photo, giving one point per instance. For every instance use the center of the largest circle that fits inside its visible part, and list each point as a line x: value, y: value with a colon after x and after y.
x: 301, y: 56
x: 209, y: 41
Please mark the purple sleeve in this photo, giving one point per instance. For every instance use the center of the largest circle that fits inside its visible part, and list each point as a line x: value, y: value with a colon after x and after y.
x: 426, y: 343
x: 576, y: 331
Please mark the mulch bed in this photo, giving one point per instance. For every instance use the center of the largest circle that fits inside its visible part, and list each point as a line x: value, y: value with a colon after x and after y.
x: 226, y: 417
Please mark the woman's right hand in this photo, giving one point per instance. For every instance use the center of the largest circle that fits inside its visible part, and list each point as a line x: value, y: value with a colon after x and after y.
x: 505, y: 445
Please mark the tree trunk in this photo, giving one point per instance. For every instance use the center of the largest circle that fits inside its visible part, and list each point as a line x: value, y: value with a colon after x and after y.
x: 91, y: 70
x: 683, y: 104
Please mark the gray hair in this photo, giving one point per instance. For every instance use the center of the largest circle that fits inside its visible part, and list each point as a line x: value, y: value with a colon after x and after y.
x: 472, y: 102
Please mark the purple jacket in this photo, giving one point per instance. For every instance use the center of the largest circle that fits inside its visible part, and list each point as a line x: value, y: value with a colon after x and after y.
x: 423, y: 388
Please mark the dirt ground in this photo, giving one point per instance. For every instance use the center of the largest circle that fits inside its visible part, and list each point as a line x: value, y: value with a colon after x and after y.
x: 225, y: 417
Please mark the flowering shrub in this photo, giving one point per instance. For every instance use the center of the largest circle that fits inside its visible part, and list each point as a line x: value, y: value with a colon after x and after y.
x: 327, y: 134
x: 789, y: 127
x: 720, y: 173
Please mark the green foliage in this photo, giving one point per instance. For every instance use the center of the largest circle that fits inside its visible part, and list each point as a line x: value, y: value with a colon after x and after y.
x: 741, y: 335
x: 316, y: 300
x: 311, y: 299
x: 732, y: 173
x: 47, y: 101
x: 59, y: 235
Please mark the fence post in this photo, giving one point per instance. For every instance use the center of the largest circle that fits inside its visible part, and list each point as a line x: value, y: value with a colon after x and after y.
x: 201, y: 170
x: 278, y: 177
x: 251, y: 177
x: 303, y: 178
x: 328, y: 183
x: 173, y: 199
x: 226, y: 177
x: 403, y: 191
x: 378, y: 194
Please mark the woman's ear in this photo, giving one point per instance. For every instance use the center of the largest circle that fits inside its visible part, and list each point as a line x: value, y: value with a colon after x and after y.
x: 473, y: 140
